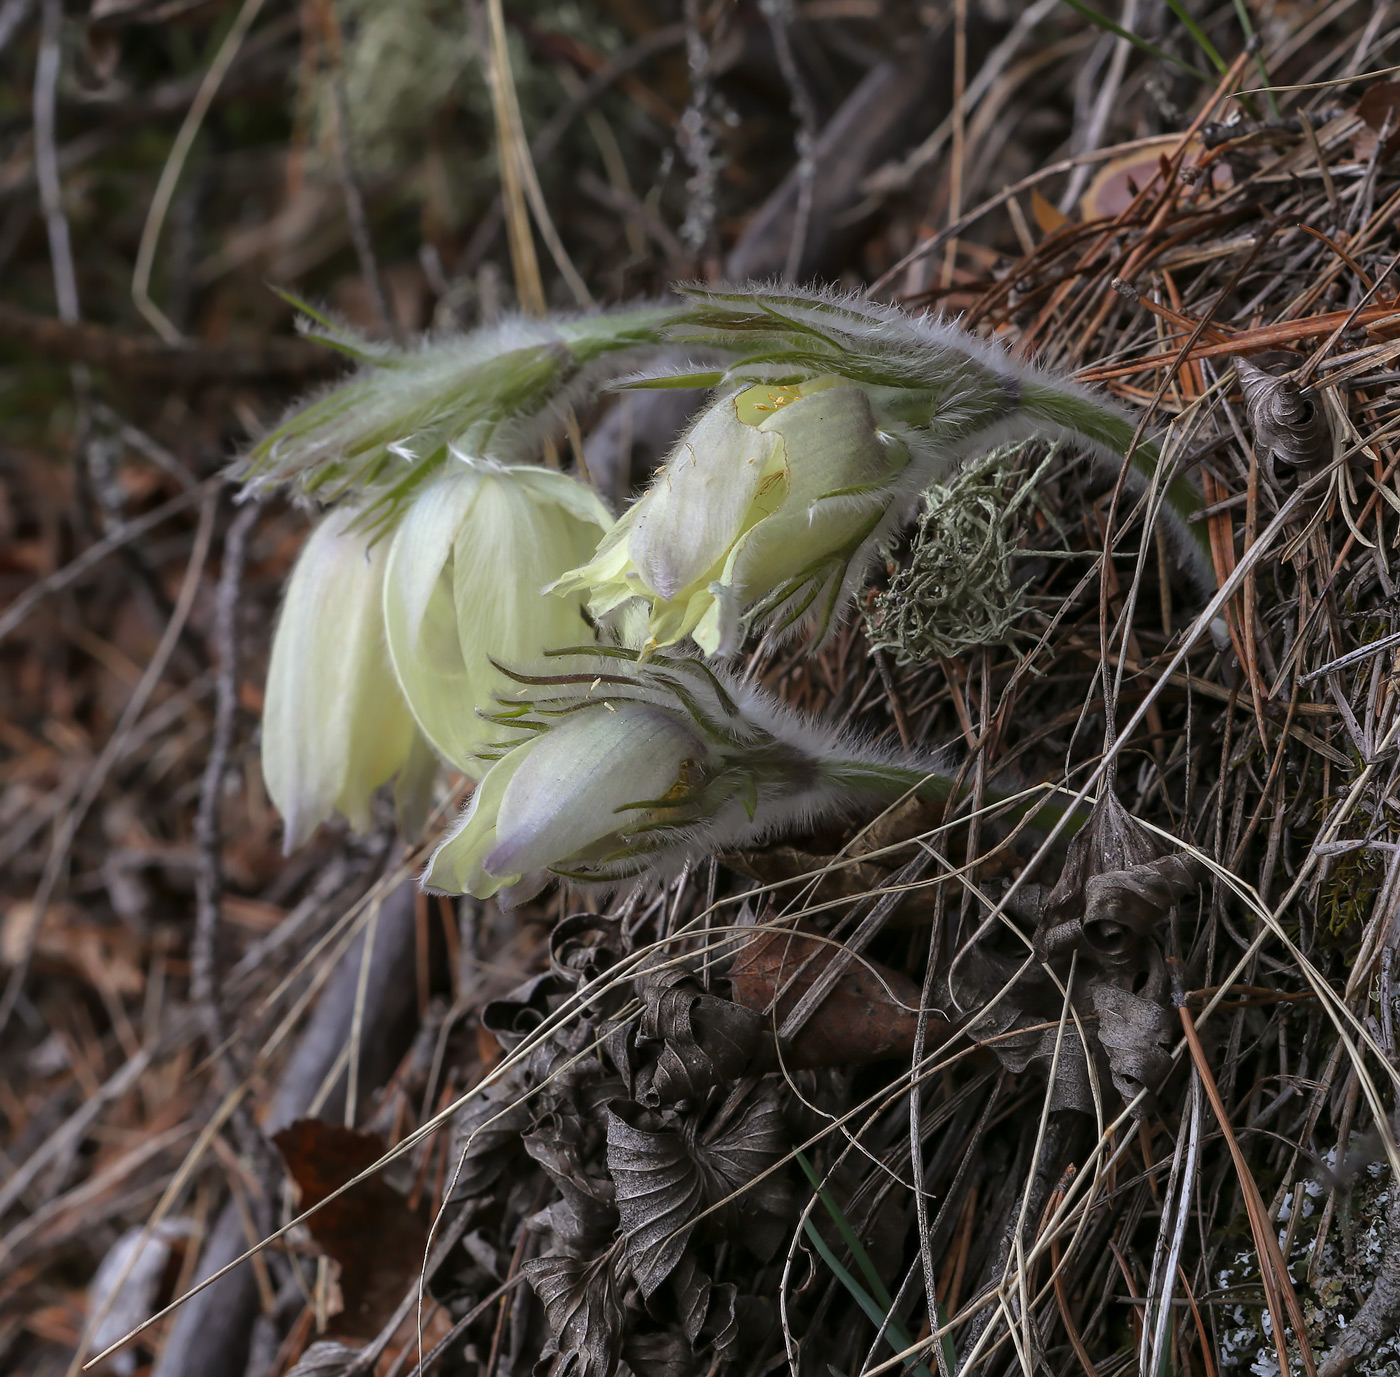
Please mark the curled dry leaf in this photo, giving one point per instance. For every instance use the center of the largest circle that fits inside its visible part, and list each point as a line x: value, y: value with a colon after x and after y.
x: 586, y: 1215
x: 870, y: 1014
x: 369, y: 1231
x: 667, y: 1175
x: 659, y: 1191
x: 1290, y: 424
x: 1114, y: 892
x: 1123, y: 907
x: 585, y: 946
x: 583, y: 1308
x: 1135, y: 1033
x: 486, y: 1139
x: 704, y: 1041
x: 1022, y: 1028
x: 706, y: 1311
x: 513, y: 1018
x: 1116, y: 887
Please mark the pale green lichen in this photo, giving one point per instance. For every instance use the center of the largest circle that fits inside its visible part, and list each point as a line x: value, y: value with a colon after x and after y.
x: 1330, y: 1288
x: 958, y: 588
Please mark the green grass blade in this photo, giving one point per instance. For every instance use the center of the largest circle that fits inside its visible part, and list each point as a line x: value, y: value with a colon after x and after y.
x: 1199, y: 34
x: 848, y: 1234
x: 1105, y: 23
x: 1247, y: 24
x: 876, y: 1307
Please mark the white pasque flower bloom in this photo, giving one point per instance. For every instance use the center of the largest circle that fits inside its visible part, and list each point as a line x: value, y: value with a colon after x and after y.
x: 764, y: 509
x: 335, y: 726
x: 629, y: 769
x: 463, y: 592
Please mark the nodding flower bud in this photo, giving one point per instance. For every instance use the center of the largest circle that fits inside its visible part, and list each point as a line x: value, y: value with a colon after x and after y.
x: 335, y: 726
x: 626, y: 769
x: 764, y: 511
x: 463, y: 592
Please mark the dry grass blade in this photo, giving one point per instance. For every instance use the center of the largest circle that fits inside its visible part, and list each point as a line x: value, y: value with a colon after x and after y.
x: 1283, y: 1299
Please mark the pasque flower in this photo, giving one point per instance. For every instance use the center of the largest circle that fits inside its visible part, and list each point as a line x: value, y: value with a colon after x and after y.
x: 620, y: 769
x: 463, y: 592
x: 763, y: 507
x: 335, y: 725
x: 772, y: 506
x: 387, y: 646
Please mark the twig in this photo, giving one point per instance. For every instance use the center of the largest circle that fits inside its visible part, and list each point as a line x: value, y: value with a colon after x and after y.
x: 13, y: 13
x: 778, y: 14
x: 172, y: 365
x: 345, y: 170
x: 78, y: 569
x: 46, y: 70
x: 207, y: 828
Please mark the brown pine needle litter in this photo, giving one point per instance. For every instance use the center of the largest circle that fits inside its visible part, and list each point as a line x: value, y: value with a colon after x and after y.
x: 949, y: 1088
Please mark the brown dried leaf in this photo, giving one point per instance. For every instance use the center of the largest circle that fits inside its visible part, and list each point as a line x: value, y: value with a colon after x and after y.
x: 369, y: 1231
x: 1379, y: 106
x: 870, y: 1014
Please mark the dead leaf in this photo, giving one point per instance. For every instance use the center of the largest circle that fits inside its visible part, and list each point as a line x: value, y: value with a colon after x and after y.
x: 485, y: 1139
x: 1136, y: 1034
x: 583, y: 1310
x: 1290, y: 426
x: 705, y: 1042
x: 106, y: 956
x: 369, y: 1231
x: 585, y: 1219
x: 1115, y: 186
x: 667, y: 1173
x: 870, y: 1014
x: 1379, y: 107
x: 659, y: 1191
x: 1047, y: 216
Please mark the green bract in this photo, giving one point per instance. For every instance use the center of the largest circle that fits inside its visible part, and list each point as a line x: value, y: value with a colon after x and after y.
x: 836, y: 417
x: 495, y: 393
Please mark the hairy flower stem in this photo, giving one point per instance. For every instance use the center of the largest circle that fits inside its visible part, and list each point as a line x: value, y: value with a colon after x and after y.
x: 931, y: 786
x: 1112, y: 431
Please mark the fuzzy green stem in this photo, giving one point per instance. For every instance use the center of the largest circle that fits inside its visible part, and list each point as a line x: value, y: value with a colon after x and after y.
x: 933, y: 786
x: 1106, y: 428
